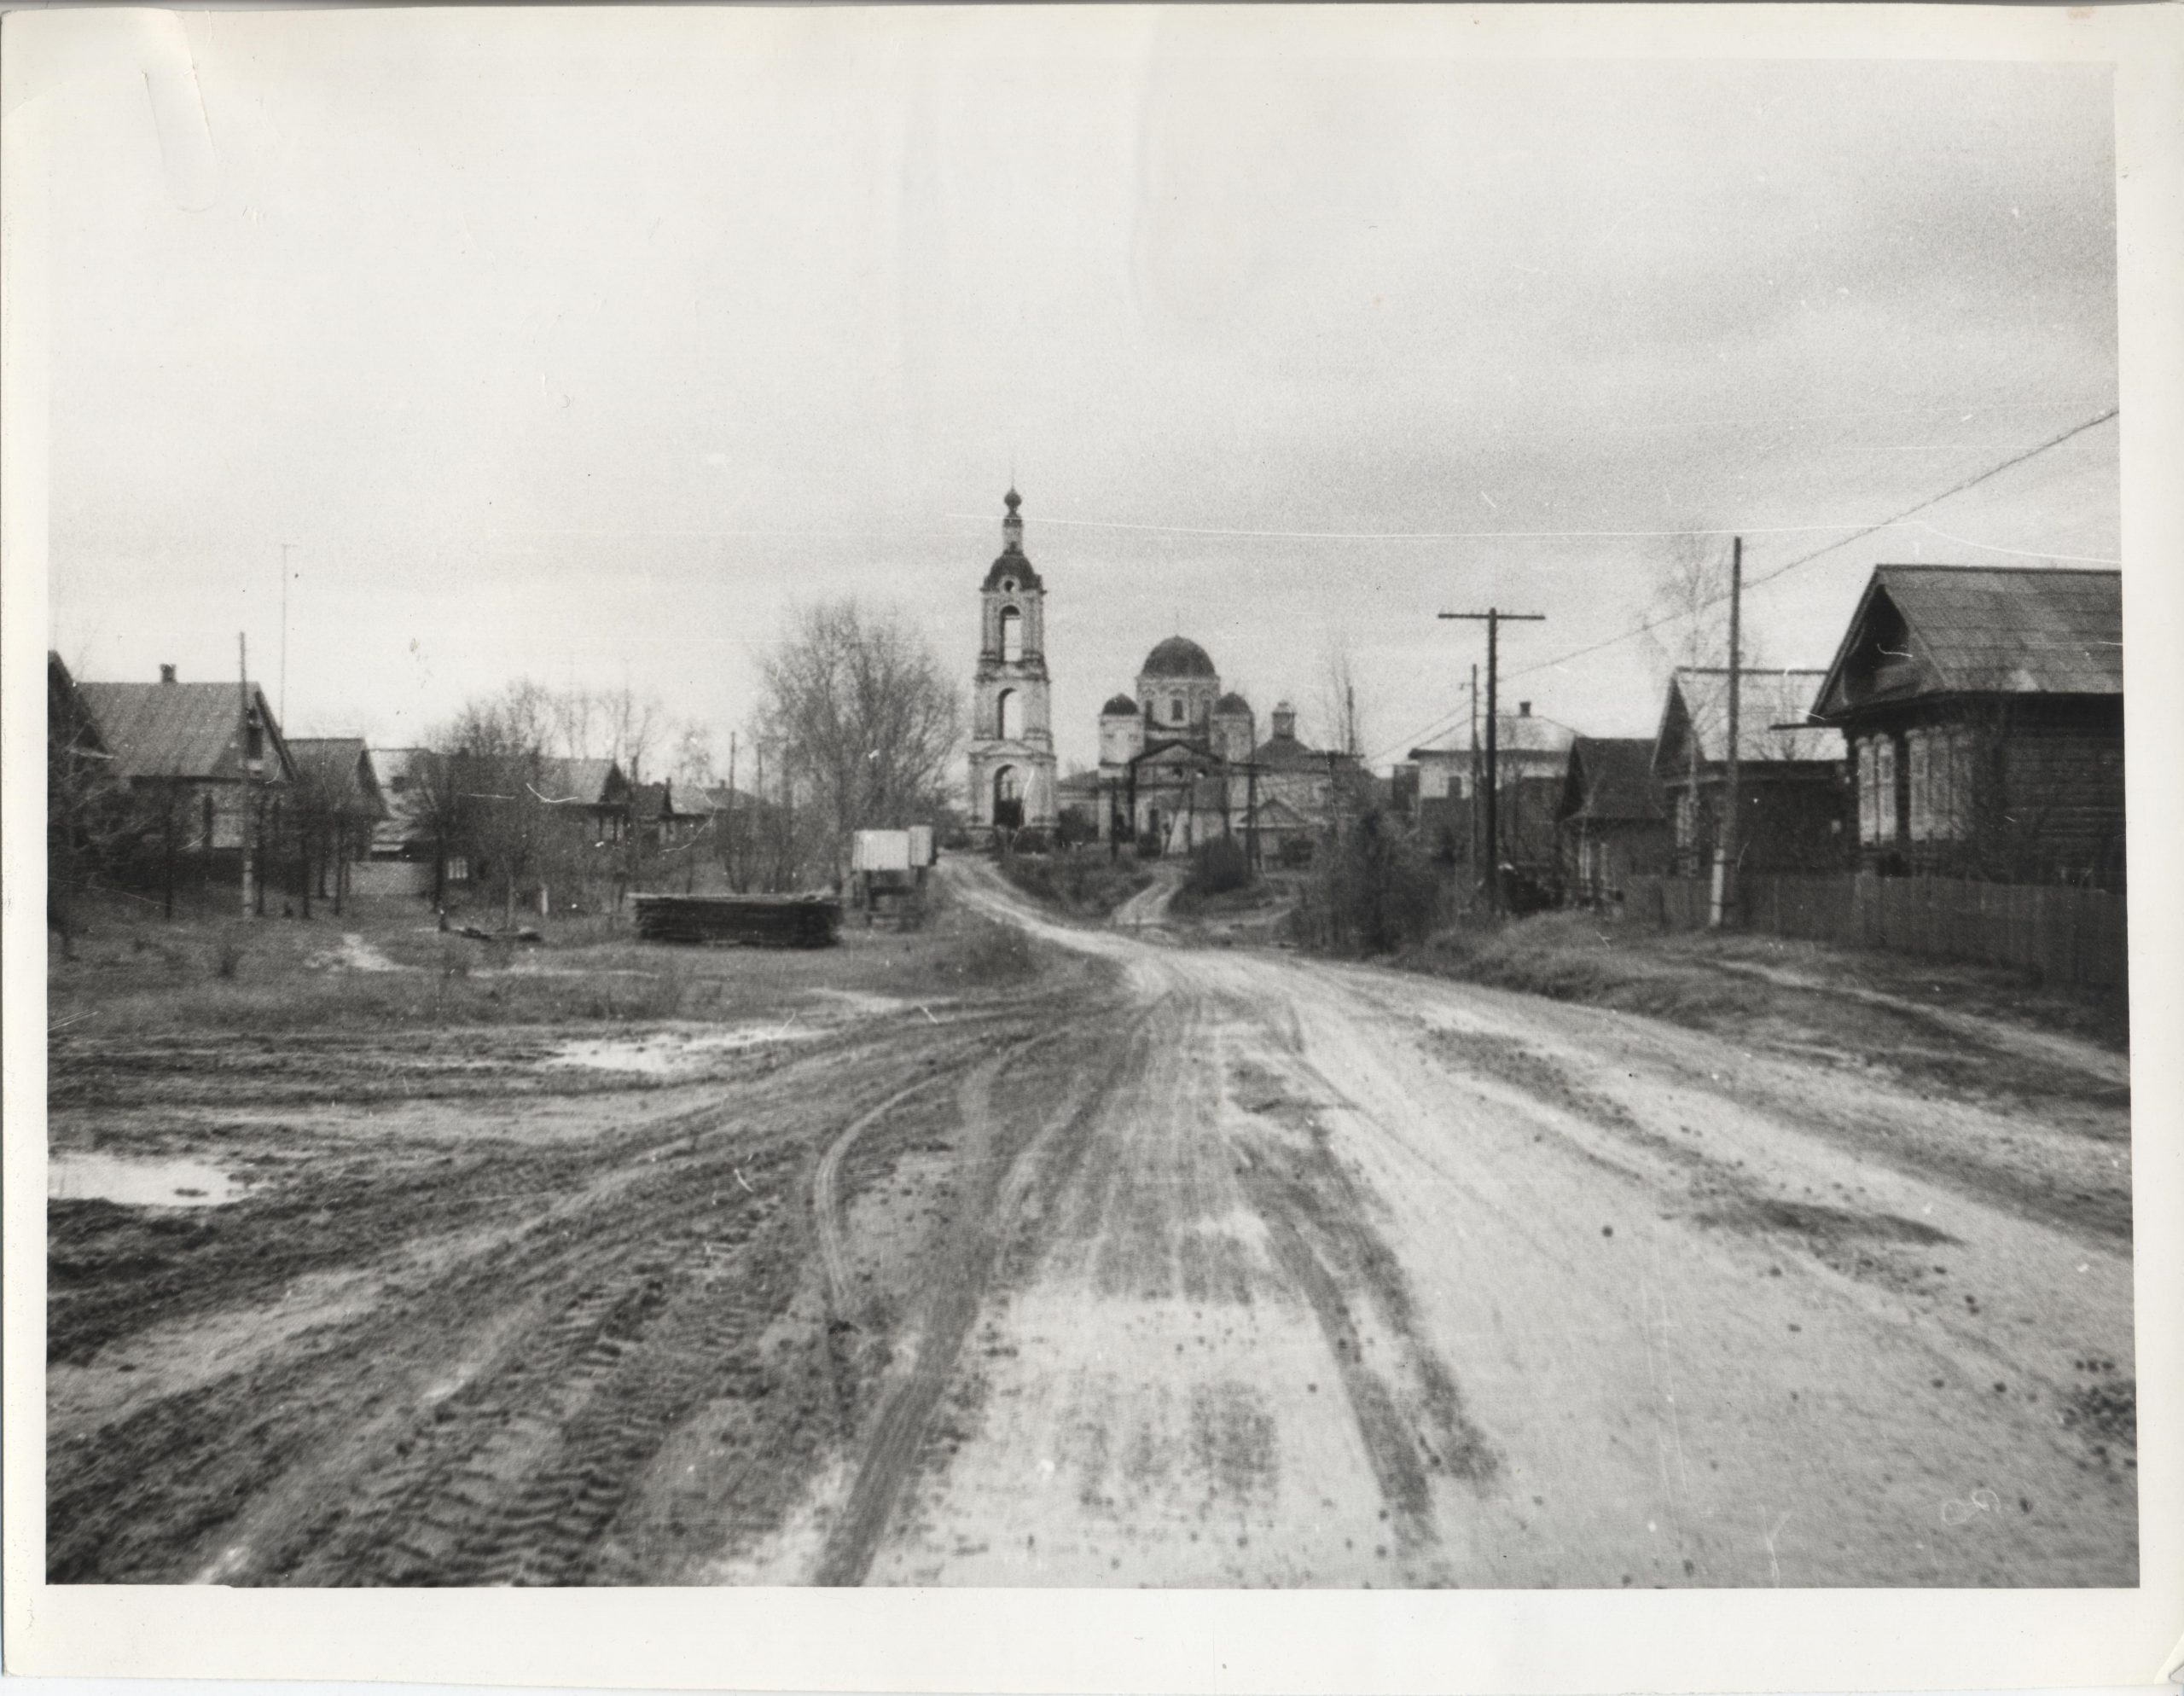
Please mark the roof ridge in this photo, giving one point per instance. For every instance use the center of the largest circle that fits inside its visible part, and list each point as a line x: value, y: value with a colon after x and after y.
x: 2013, y: 571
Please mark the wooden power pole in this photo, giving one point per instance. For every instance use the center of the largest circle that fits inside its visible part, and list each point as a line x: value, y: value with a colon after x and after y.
x: 1495, y: 618
x: 249, y: 778
x: 1471, y: 811
x: 1733, y: 801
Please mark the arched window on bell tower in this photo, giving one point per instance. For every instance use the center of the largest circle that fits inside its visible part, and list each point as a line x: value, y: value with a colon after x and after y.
x: 1009, y: 716
x: 1012, y: 634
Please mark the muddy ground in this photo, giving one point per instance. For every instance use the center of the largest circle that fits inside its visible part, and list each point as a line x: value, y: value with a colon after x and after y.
x: 1149, y: 1264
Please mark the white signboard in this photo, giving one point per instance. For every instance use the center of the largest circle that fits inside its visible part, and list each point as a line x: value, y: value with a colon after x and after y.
x: 881, y: 850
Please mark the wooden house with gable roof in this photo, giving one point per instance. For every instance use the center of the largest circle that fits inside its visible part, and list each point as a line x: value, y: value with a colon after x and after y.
x: 1789, y: 779
x: 1983, y: 708
x: 1613, y: 818
x: 208, y: 759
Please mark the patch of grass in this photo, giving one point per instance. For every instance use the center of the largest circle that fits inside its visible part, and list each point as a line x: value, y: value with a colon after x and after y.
x: 1577, y: 957
x: 1083, y: 883
x: 136, y: 974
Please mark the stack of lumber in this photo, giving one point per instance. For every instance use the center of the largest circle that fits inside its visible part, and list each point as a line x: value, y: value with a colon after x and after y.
x: 755, y: 920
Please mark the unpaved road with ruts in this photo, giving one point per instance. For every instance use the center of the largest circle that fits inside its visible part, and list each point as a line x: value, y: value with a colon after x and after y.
x: 1176, y: 1266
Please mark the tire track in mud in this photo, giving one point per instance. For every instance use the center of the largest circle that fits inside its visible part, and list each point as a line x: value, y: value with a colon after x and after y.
x: 351, y: 1460
x: 960, y: 1277
x: 1319, y: 1231
x: 826, y: 1206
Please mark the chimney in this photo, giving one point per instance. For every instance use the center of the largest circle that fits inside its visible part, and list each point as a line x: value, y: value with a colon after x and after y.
x: 1524, y: 709
x: 1285, y: 721
x: 167, y: 674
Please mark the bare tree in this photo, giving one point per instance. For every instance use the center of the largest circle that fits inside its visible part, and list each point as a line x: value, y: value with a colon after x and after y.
x: 865, y: 721
x: 691, y: 762
x: 1341, y: 712
x: 92, y: 823
x: 629, y: 727
x: 1688, y: 609
x: 507, y: 818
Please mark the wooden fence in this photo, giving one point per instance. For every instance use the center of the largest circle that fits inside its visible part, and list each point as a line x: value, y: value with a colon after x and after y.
x: 2066, y: 935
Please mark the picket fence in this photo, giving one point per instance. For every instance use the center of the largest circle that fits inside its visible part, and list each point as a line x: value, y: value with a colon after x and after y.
x: 2066, y: 935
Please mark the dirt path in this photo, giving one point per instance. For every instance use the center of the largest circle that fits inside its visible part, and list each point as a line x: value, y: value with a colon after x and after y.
x: 1146, y: 909
x: 1177, y: 1266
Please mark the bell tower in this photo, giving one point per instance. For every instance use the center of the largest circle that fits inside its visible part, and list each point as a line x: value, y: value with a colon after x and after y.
x: 1012, y: 737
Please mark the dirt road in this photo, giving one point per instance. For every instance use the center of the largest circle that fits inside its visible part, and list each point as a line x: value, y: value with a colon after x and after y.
x: 1181, y: 1267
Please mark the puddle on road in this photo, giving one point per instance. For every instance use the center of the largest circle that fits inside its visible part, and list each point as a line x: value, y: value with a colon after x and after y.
x: 672, y: 1054
x: 137, y: 1183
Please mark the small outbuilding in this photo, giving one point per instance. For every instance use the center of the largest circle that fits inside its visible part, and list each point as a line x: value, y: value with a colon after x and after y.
x: 1612, y: 819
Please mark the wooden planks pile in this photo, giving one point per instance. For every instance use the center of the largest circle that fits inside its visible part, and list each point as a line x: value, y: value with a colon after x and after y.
x: 754, y: 921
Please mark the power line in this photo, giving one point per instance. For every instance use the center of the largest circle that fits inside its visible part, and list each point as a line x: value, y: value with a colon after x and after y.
x: 1445, y: 719
x: 1956, y: 489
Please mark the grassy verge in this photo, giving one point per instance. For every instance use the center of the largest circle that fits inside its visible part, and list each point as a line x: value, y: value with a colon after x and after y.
x: 1755, y: 986
x: 1086, y: 884
x: 384, y: 964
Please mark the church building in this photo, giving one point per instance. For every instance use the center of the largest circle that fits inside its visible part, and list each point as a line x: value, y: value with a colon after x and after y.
x: 1180, y: 763
x: 1012, y: 738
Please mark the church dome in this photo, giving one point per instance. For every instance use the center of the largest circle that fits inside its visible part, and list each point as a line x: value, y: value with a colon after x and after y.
x: 1012, y: 571
x: 1232, y: 703
x: 1122, y: 706
x: 1178, y: 657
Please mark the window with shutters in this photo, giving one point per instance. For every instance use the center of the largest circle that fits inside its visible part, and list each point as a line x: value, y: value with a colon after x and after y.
x: 1884, y: 812
x: 1919, y: 750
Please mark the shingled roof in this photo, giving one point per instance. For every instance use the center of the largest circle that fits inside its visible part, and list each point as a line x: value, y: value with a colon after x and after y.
x: 190, y: 731
x: 593, y: 782
x: 1612, y: 778
x: 339, y: 768
x: 1977, y: 630
x: 1774, y: 719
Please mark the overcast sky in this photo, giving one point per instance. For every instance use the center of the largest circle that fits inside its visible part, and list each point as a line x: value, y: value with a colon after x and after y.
x: 561, y: 346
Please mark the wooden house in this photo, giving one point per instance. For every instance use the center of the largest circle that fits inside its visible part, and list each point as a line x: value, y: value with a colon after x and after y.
x: 1613, y: 817
x: 1531, y: 759
x: 205, y: 764
x: 1983, y: 708
x: 339, y: 800
x: 1789, y: 780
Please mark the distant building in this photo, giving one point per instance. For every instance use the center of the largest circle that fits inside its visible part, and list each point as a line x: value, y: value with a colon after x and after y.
x: 1531, y: 761
x: 1012, y: 756
x: 1613, y: 817
x: 208, y: 759
x: 339, y: 802
x: 1790, y: 778
x: 407, y: 831
x: 1983, y: 708
x: 1180, y: 763
x: 594, y: 794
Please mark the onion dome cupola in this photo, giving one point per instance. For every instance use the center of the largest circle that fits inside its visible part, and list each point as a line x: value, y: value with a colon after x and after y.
x: 1012, y: 570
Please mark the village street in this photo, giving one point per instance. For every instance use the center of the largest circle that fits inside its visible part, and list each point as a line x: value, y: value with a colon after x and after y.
x: 1334, y: 1276
x: 1176, y: 1266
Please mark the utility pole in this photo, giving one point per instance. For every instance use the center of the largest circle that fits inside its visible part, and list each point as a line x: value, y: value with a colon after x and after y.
x: 1470, y: 812
x: 249, y: 775
x: 727, y: 826
x: 1732, y: 813
x: 1495, y: 618
x: 1252, y: 813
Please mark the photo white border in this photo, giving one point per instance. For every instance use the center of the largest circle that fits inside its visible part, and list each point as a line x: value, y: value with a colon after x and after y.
x: 914, y: 1639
